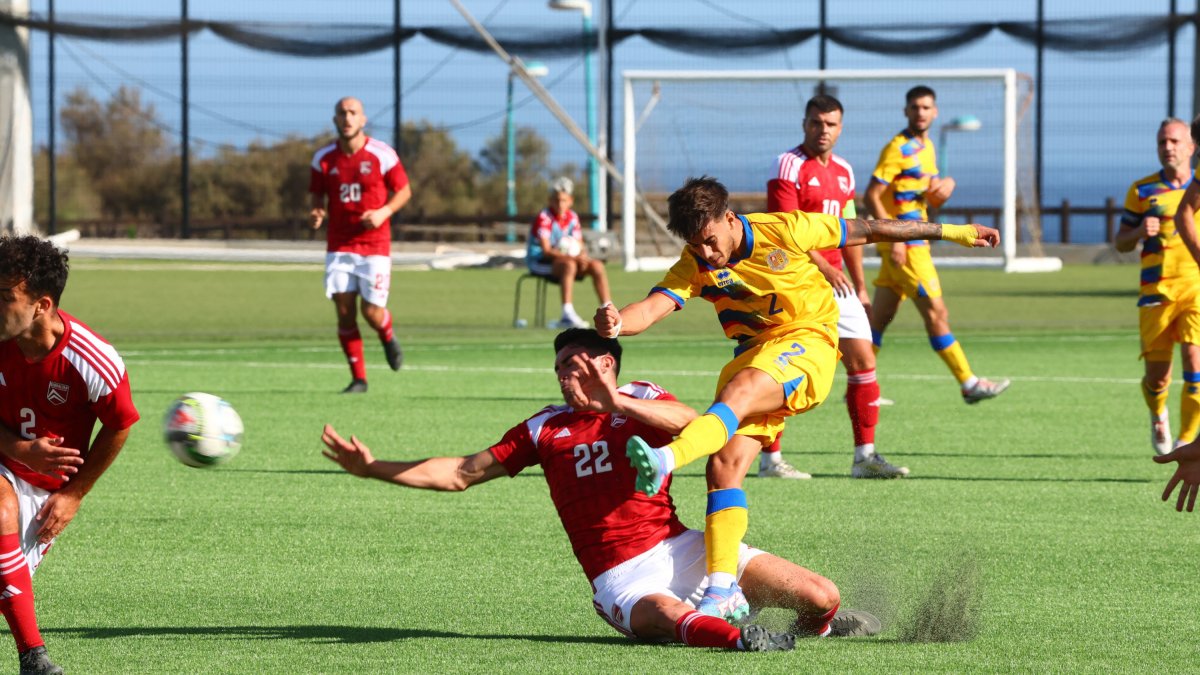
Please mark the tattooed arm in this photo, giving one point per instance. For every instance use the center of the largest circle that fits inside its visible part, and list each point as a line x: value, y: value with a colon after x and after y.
x: 859, y: 231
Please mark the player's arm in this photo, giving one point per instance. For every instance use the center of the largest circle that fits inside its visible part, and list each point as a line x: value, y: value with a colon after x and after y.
x: 586, y: 389
x: 316, y: 213
x: 860, y: 231
x: 446, y: 474
x: 834, y: 275
x: 60, y: 508
x: 633, y: 318
x: 377, y: 217
x: 853, y: 257
x: 1136, y: 225
x: 1187, y: 472
x: 873, y: 198
x: 44, y: 455
x: 1185, y: 219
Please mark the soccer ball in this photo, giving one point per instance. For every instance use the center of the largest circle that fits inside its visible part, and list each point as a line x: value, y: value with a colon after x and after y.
x: 569, y: 246
x: 202, y: 430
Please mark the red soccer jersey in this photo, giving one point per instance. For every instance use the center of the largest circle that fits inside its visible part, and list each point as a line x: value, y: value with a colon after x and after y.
x: 353, y: 184
x: 591, y: 480
x: 803, y: 183
x: 81, y: 380
x: 553, y: 228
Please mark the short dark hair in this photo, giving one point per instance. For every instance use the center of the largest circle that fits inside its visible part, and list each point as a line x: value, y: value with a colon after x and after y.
x: 590, y: 340
x: 823, y: 103
x: 919, y: 91
x: 1196, y: 130
x: 37, y: 262
x: 696, y: 204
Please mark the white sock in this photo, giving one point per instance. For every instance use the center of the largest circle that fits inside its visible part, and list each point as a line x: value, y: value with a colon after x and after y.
x: 971, y: 382
x: 769, y: 459
x: 668, y: 459
x: 721, y: 579
x: 864, y: 452
x: 568, y: 309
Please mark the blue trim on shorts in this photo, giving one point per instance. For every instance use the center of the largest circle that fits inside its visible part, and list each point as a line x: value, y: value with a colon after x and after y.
x: 791, y: 386
x: 725, y: 414
x: 941, y: 342
x: 729, y: 498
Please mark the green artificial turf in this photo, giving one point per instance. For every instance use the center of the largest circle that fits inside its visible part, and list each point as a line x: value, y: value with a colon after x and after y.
x: 1036, y: 516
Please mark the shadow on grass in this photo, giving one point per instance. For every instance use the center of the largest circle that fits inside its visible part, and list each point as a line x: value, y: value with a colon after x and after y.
x: 1002, y: 479
x: 330, y: 634
x: 1062, y: 293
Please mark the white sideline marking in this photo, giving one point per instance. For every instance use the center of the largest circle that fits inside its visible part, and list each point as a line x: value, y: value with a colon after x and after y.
x: 547, y: 371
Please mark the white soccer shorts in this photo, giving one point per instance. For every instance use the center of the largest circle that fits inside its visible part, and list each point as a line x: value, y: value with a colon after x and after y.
x: 853, y: 323
x: 368, y: 275
x: 30, y: 500
x: 675, y: 567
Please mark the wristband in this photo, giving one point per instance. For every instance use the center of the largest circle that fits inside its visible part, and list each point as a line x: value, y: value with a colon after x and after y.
x: 964, y: 235
x: 620, y: 322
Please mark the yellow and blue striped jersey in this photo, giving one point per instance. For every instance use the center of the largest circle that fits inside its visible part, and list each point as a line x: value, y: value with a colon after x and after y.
x: 773, y: 284
x: 1165, y: 259
x: 905, y: 166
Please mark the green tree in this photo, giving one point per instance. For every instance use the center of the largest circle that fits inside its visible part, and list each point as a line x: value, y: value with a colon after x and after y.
x: 121, y: 147
x: 444, y: 178
x: 531, y: 170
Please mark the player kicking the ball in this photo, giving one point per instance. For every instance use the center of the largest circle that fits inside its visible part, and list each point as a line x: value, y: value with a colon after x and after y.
x: 775, y: 303
x: 646, y: 567
x: 350, y: 183
x: 57, y: 378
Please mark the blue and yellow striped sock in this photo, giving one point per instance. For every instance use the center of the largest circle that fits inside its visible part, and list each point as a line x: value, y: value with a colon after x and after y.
x: 953, y: 355
x: 1189, y: 412
x: 704, y: 435
x: 725, y: 524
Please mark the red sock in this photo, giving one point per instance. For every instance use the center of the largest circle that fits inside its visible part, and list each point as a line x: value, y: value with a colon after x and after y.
x: 16, y: 598
x: 701, y: 630
x: 385, y: 329
x: 815, y: 625
x: 775, y: 444
x: 352, y: 347
x: 862, y: 392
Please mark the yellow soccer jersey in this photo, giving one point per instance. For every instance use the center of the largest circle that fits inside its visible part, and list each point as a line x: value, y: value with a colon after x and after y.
x: 1166, y: 262
x: 905, y: 166
x: 774, y: 285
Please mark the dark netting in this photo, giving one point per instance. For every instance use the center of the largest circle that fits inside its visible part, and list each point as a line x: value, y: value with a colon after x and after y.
x: 1108, y: 35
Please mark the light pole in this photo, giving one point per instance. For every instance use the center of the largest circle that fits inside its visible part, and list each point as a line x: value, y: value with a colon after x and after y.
x: 585, y: 8
x: 960, y: 123
x: 535, y: 69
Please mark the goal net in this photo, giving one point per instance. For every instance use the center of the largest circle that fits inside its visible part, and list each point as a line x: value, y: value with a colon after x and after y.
x: 733, y: 124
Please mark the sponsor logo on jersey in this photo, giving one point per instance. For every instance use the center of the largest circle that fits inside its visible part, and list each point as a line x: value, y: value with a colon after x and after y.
x: 617, y: 421
x: 2, y: 382
x: 563, y: 433
x: 777, y: 260
x: 57, y: 392
x: 333, y: 172
x: 813, y: 182
x: 725, y: 278
x: 364, y: 167
x: 844, y: 183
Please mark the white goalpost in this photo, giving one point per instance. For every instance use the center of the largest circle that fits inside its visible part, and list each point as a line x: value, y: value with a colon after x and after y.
x: 732, y: 125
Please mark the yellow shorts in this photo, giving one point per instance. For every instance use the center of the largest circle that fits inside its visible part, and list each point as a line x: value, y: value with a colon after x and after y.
x: 1162, y: 326
x: 803, y: 363
x: 917, y: 279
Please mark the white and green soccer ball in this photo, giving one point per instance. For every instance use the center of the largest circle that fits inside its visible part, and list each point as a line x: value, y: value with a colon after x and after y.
x: 202, y: 430
x: 569, y: 246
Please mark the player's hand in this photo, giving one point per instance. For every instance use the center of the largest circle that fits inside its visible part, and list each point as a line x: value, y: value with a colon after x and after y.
x: 988, y: 237
x: 607, y: 321
x: 865, y: 298
x: 55, y: 514
x: 374, y: 218
x: 316, y: 217
x: 48, y: 455
x: 899, y: 253
x: 836, y: 278
x: 584, y: 388
x: 1152, y: 226
x: 1187, y: 473
x: 939, y: 191
x: 351, y: 455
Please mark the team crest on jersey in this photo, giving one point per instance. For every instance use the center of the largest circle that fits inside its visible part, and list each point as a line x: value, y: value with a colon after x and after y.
x: 364, y: 168
x: 777, y: 260
x: 57, y: 392
x: 725, y: 278
x: 844, y: 183
x: 617, y: 421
